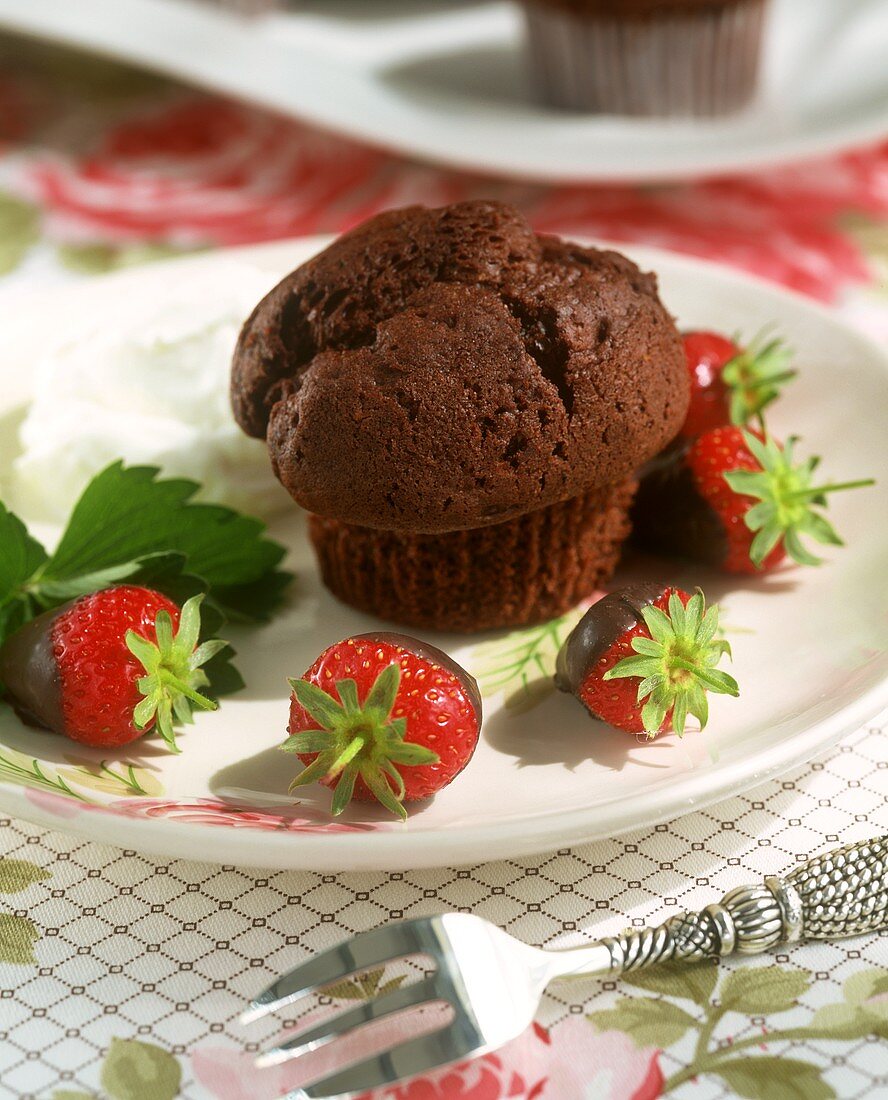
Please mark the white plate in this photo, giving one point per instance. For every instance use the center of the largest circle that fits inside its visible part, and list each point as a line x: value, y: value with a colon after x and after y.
x: 809, y: 646
x: 445, y: 81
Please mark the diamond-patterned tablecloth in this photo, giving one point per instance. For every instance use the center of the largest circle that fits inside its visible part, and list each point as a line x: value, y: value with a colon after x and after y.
x: 130, y: 950
x: 121, y: 976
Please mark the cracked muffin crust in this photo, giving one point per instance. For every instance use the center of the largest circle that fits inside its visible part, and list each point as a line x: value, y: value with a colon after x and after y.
x: 443, y: 370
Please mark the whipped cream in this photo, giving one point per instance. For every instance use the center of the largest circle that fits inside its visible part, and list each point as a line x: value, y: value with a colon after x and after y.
x: 147, y: 382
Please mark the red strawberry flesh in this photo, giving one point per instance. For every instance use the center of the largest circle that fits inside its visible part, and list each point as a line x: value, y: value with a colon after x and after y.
x: 438, y: 699
x: 105, y: 668
x: 65, y: 671
x: 98, y: 678
x: 706, y: 353
x: 720, y: 451
x: 600, y: 639
x: 643, y: 658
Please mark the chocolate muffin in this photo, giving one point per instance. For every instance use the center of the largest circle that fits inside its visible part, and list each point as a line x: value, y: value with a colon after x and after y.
x: 646, y: 57
x: 462, y: 405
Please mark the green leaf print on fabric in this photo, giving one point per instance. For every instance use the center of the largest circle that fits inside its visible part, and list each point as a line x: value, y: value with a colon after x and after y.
x: 140, y: 1071
x: 753, y: 991
x: 864, y: 1010
x: 18, y: 934
x: 17, y: 938
x: 19, y: 229
x: 365, y: 986
x: 770, y: 1078
x: 693, y: 983
x: 100, y: 258
x: 762, y: 990
x: 17, y: 875
x: 648, y: 1022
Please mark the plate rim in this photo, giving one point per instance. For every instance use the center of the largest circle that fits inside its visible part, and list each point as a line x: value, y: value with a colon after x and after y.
x: 456, y: 845
x: 55, y: 20
x: 384, y: 850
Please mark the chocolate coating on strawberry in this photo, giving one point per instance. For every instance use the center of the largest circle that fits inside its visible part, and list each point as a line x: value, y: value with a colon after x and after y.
x: 434, y: 656
x: 669, y: 516
x: 604, y: 623
x: 108, y: 666
x: 30, y: 674
x: 737, y: 500
x: 643, y: 658
x: 443, y: 370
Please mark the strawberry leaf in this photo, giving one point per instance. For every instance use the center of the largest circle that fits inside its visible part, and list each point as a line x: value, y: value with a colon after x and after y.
x: 21, y: 558
x: 385, y: 689
x: 126, y: 514
x: 344, y: 789
x: 321, y: 706
x: 357, y: 738
x: 675, y: 667
x: 755, y: 377
x: 785, y: 500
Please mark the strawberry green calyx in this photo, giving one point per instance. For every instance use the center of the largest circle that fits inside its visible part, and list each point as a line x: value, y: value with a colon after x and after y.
x: 357, y: 740
x: 755, y: 377
x: 173, y: 671
x: 787, y: 501
x: 676, y: 665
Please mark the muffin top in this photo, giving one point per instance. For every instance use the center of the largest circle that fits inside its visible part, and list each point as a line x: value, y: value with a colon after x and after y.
x: 436, y: 370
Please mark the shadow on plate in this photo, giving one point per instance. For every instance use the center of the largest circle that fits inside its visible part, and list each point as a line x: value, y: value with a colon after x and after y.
x: 261, y: 781
x: 556, y: 736
x: 373, y: 12
x: 491, y: 74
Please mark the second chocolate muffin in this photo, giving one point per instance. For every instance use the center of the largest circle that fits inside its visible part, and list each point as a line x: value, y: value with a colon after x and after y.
x: 462, y: 404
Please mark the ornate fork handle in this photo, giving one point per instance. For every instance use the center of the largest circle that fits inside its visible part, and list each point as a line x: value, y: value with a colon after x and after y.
x: 841, y: 893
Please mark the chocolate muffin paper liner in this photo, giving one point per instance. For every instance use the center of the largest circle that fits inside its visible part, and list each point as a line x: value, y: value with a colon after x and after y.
x: 525, y: 571
x: 667, y: 64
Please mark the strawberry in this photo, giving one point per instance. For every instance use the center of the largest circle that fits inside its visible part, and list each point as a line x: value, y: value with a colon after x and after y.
x: 734, y: 499
x: 731, y: 384
x: 107, y: 667
x: 643, y: 657
x: 383, y: 717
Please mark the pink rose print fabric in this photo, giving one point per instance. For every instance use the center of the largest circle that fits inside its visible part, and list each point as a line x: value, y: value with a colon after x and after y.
x: 204, y: 171
x: 209, y: 811
x: 570, y: 1061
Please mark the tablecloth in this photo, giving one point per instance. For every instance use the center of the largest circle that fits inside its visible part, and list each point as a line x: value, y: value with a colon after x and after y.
x: 122, y: 975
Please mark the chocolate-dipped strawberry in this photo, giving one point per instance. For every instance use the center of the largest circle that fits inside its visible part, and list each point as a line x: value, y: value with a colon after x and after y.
x: 643, y: 658
x: 735, y: 500
x: 383, y: 717
x: 107, y: 667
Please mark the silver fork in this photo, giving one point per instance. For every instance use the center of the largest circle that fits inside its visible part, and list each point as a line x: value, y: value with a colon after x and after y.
x: 494, y: 982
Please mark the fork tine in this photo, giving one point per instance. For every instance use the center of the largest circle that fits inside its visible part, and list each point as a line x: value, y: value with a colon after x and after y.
x: 451, y: 1044
x: 369, y: 949
x: 337, y: 1026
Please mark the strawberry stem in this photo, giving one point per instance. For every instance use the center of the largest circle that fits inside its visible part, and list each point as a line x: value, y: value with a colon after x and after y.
x: 172, y: 671
x: 809, y: 494
x: 182, y: 688
x: 681, y: 641
x: 786, y: 502
x: 348, y: 754
x: 364, y: 740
